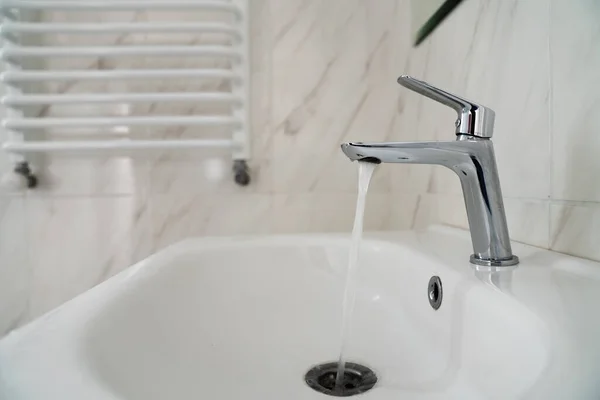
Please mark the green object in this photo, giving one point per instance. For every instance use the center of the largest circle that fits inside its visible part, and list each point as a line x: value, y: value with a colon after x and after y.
x: 437, y: 17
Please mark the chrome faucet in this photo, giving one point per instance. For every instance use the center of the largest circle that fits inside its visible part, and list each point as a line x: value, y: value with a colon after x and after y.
x: 471, y: 157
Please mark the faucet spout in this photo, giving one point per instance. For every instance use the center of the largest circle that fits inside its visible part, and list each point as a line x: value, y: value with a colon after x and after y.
x: 473, y: 161
x: 440, y: 153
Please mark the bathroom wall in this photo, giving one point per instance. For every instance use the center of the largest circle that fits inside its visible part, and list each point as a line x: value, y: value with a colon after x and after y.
x: 536, y: 63
x: 315, y: 84
x: 323, y: 71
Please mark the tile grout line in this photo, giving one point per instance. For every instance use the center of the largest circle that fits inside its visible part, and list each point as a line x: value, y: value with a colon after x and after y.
x: 576, y: 203
x: 550, y: 124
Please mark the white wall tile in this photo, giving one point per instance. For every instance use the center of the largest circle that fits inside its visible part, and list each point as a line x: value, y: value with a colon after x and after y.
x: 335, y: 213
x: 447, y: 209
x: 205, y: 173
x: 327, y: 212
x: 502, y: 64
x: 575, y: 229
x: 175, y: 218
x: 239, y: 215
x: 15, y: 271
x: 261, y: 69
x: 90, y: 176
x: 403, y: 213
x: 575, y: 60
x: 290, y: 213
x: 321, y: 97
x: 76, y: 243
x: 322, y: 173
x: 528, y: 221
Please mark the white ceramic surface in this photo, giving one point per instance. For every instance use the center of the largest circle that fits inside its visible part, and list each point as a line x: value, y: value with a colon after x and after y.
x: 237, y: 318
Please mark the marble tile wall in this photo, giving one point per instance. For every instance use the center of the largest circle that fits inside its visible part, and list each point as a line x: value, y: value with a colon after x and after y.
x: 535, y: 62
x: 323, y: 72
x: 314, y: 84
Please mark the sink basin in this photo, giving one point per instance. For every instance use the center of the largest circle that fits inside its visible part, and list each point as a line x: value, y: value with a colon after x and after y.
x: 246, y: 318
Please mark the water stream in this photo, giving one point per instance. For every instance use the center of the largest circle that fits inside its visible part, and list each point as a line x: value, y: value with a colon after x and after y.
x: 365, y: 172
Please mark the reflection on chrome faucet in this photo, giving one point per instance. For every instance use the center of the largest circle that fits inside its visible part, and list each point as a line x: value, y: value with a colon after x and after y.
x: 471, y: 157
x: 500, y: 278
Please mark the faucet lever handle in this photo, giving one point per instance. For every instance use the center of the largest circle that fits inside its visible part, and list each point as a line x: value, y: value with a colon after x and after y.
x: 473, y: 119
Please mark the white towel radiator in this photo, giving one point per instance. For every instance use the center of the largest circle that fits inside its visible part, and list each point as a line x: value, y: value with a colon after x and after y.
x: 21, y: 117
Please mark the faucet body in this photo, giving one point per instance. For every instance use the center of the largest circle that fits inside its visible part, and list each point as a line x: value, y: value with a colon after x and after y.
x: 471, y: 157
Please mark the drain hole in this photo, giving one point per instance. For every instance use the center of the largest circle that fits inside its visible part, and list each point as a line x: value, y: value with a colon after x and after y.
x: 357, y: 379
x: 351, y: 380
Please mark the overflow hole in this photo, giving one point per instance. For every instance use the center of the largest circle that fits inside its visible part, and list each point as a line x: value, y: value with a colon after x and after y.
x: 435, y: 292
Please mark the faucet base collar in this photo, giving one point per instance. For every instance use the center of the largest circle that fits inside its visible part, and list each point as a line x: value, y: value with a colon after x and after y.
x: 513, y: 260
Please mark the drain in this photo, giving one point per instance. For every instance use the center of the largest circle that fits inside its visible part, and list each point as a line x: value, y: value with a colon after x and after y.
x: 357, y: 379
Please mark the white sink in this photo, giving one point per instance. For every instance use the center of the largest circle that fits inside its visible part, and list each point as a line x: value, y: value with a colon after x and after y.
x: 245, y: 318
